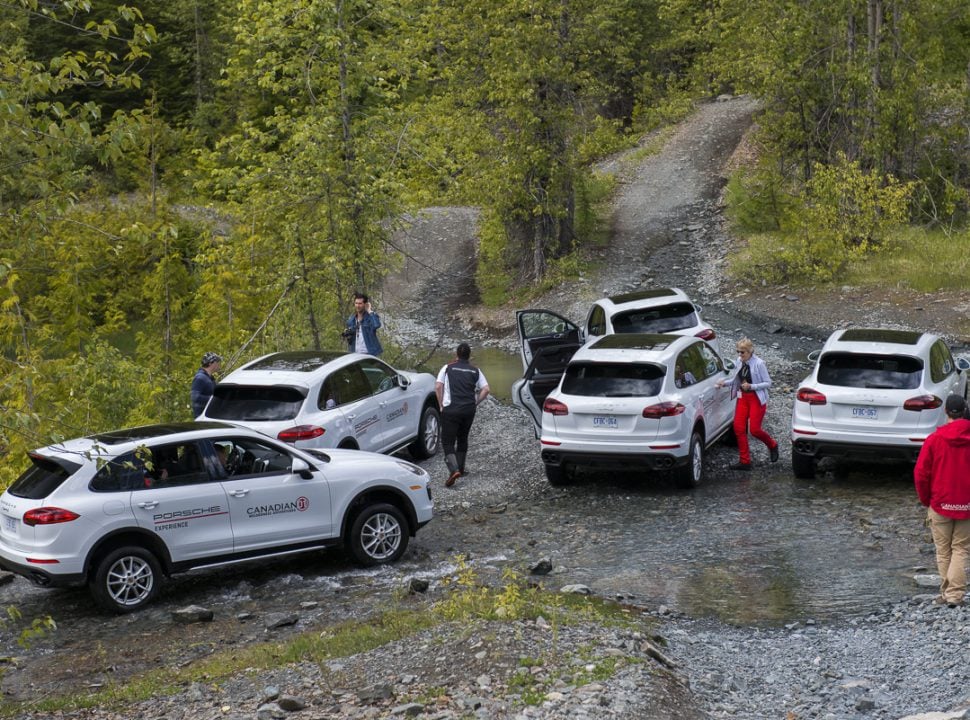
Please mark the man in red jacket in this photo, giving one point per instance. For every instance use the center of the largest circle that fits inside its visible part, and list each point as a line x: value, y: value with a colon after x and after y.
x: 943, y: 484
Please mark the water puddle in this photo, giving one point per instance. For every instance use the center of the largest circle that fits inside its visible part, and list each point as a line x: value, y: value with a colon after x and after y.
x: 759, y: 551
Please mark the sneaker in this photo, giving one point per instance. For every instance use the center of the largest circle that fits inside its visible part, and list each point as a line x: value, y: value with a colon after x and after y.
x: 451, y: 478
x: 954, y: 603
x: 774, y: 453
x: 746, y: 467
x: 939, y: 600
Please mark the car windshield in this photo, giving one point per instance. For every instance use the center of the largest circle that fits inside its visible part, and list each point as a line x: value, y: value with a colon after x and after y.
x: 857, y: 370
x: 613, y: 380
x: 42, y: 478
x: 254, y: 403
x: 667, y: 318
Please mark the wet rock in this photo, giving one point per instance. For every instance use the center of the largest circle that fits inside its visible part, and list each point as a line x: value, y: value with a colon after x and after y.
x: 927, y: 581
x: 280, y: 620
x: 192, y: 614
x: 417, y: 586
x: 408, y: 710
x: 575, y: 589
x: 543, y: 567
x: 291, y: 703
x: 270, y: 711
x: 375, y: 693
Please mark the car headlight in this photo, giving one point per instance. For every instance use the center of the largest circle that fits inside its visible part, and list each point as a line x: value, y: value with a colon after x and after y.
x: 412, y: 468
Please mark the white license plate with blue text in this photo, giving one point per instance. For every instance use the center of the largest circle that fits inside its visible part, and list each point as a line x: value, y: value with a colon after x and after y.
x: 606, y: 422
x: 10, y: 524
x: 865, y: 413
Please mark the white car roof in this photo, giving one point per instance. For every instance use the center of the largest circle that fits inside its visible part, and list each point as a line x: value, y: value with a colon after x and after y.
x: 881, y: 341
x: 118, y: 442
x: 634, y: 347
x: 298, y: 368
x: 643, y: 299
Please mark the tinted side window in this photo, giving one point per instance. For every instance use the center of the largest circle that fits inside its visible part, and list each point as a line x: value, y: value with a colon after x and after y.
x: 896, y: 372
x: 240, y: 456
x: 350, y: 384
x: 596, y: 325
x: 621, y: 380
x: 656, y: 320
x: 177, y: 464
x: 42, y: 478
x: 237, y: 402
x: 711, y: 363
x: 131, y: 471
x: 379, y: 376
x: 694, y: 366
x: 941, y: 361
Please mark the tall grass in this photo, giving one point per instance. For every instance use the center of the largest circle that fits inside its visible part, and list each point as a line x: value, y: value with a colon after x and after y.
x: 918, y: 259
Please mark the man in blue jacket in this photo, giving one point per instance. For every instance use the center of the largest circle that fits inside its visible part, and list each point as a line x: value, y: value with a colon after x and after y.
x: 204, y: 382
x: 361, y: 332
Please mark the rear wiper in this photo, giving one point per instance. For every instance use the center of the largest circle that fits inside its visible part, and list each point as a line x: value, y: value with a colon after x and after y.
x: 619, y: 395
x: 872, y: 386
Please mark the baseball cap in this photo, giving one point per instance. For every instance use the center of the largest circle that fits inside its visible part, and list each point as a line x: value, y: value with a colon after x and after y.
x: 210, y: 357
x: 956, y: 406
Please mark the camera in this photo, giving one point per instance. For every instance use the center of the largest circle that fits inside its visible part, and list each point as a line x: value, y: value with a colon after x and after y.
x: 347, y: 334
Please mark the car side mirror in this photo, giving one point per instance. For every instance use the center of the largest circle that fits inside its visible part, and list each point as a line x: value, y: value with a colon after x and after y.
x: 963, y: 363
x: 729, y: 366
x: 302, y: 468
x: 403, y: 382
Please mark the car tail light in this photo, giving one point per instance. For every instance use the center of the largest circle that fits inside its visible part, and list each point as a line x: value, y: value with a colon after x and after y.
x: 922, y: 402
x: 300, y: 432
x: 48, y: 516
x: 810, y: 396
x: 554, y: 407
x: 664, y: 409
x: 707, y: 334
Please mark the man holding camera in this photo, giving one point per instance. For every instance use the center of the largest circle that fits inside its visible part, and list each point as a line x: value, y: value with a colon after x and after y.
x: 361, y: 330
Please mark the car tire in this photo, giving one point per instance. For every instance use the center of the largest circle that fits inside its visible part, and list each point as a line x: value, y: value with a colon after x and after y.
x: 378, y: 535
x: 802, y: 466
x: 126, y: 579
x: 557, y: 475
x: 429, y: 434
x: 691, y: 474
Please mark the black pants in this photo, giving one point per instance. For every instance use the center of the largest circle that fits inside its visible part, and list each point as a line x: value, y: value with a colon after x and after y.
x: 455, y: 426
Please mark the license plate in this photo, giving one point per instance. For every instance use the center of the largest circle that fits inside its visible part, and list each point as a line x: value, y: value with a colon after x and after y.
x: 10, y: 524
x: 608, y: 422
x: 865, y: 413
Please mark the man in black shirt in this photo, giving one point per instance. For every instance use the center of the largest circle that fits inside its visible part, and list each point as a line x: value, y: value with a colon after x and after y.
x: 460, y: 388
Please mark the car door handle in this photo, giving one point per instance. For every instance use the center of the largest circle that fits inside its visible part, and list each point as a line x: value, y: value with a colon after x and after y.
x: 148, y: 504
x: 239, y: 493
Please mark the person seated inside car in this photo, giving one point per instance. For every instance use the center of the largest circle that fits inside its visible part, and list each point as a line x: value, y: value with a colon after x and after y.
x: 683, y: 378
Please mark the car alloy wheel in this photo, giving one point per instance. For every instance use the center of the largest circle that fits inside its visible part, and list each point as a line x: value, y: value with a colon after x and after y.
x: 379, y: 535
x: 126, y: 579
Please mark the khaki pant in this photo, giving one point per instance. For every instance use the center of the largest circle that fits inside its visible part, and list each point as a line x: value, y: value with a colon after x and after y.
x: 952, y: 540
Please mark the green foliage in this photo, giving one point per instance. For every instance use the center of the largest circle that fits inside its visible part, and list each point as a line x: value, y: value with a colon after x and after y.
x: 37, y: 628
x: 756, y: 200
x: 918, y: 259
x: 842, y: 215
x: 470, y: 599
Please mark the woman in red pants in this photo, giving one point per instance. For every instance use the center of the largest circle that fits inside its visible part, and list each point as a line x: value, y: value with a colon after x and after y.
x: 750, y: 386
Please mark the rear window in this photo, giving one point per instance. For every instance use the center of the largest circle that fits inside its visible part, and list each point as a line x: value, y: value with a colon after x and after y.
x: 42, y: 478
x: 667, y: 318
x: 254, y: 403
x: 895, y: 372
x: 619, y: 380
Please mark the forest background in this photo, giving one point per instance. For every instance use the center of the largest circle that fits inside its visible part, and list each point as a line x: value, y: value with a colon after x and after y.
x: 180, y: 176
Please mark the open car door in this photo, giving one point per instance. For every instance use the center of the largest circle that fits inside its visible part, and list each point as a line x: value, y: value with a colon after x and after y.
x: 547, y: 342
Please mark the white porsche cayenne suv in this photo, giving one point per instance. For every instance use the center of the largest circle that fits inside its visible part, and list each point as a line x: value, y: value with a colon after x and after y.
x: 120, y: 511
x: 627, y: 401
x: 652, y: 310
x: 873, y: 393
x: 320, y: 399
